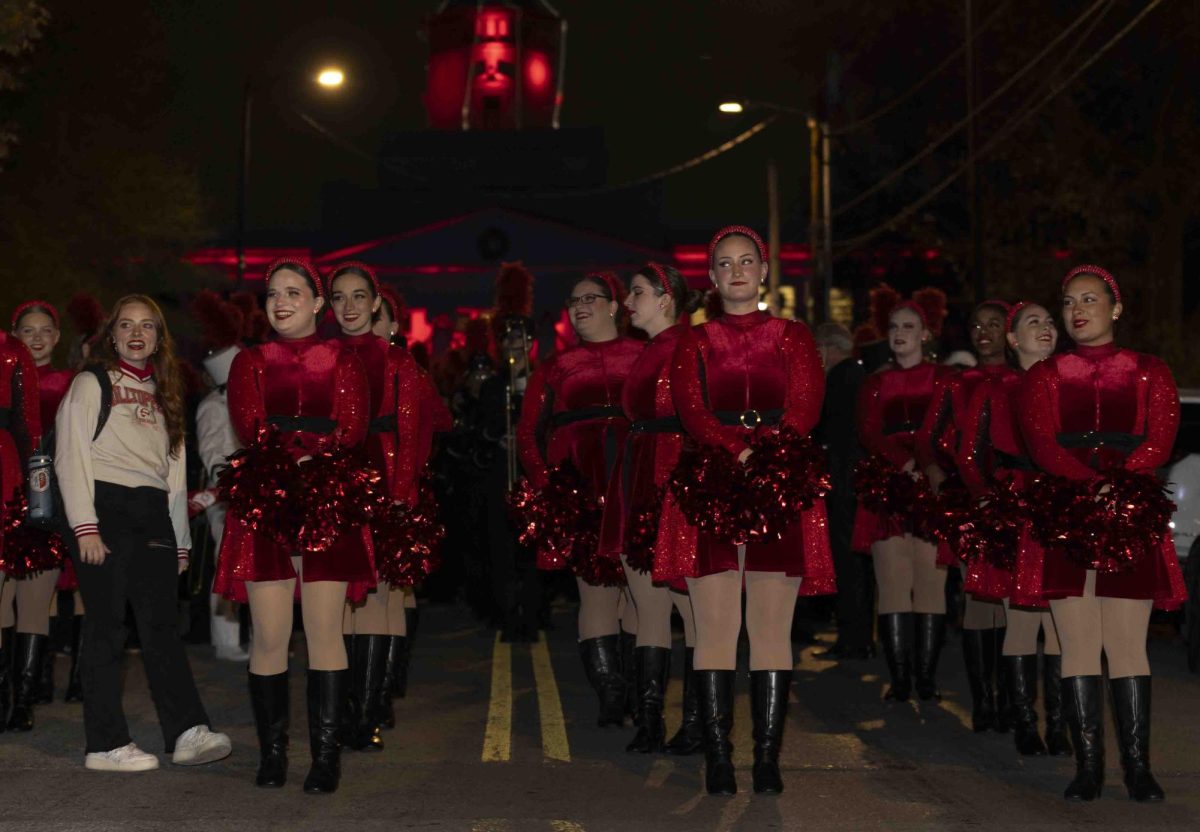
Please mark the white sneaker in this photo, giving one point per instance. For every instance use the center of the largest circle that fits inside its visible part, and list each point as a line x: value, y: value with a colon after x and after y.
x: 232, y: 654
x: 126, y: 758
x: 198, y: 745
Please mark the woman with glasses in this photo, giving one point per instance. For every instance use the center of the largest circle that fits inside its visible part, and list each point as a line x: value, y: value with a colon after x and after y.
x: 572, y: 415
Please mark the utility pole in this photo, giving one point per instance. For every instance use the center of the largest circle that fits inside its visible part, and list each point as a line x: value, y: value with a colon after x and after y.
x: 827, y: 223
x: 975, y: 205
x: 816, y: 249
x: 775, y: 265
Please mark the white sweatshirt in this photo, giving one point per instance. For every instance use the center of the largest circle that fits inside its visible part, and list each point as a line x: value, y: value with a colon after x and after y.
x: 131, y: 451
x: 215, y: 438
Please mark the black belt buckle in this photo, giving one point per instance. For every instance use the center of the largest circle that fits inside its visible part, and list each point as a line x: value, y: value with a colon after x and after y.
x: 750, y: 419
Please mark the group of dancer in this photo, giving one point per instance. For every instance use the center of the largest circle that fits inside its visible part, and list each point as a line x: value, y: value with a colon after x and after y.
x: 626, y: 418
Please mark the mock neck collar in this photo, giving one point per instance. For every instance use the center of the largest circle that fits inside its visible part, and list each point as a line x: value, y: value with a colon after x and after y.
x: 748, y: 319
x: 673, y: 331
x: 143, y: 374
x: 314, y: 338
x: 358, y: 340
x: 1093, y: 353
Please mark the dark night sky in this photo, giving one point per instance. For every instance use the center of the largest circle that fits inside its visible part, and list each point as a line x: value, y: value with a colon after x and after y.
x: 649, y: 72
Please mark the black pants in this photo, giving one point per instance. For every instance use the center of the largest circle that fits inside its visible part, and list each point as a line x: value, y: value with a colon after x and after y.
x: 855, y: 579
x: 140, y: 569
x: 516, y: 580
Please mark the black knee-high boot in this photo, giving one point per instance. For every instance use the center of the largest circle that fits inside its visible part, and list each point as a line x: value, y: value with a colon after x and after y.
x: 8, y: 649
x: 1058, y: 742
x: 25, y: 680
x: 387, y: 710
x: 690, y: 737
x: 1083, y: 701
x: 602, y: 661
x: 629, y: 672
x: 931, y: 635
x: 654, y: 671
x: 326, y: 698
x: 45, y: 686
x: 716, y: 710
x: 1131, y: 702
x: 367, y: 669
x: 896, y: 634
x: 1005, y: 716
x: 1021, y: 673
x: 976, y: 646
x: 269, y: 700
x: 768, y: 705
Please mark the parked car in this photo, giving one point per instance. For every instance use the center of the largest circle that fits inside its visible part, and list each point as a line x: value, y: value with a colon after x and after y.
x: 1183, y: 474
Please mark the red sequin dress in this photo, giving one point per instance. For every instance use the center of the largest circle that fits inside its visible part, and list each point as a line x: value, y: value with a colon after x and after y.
x: 891, y: 410
x: 729, y: 375
x: 21, y: 425
x: 992, y: 450
x: 651, y: 451
x: 1082, y: 412
x: 315, y: 392
x: 572, y: 413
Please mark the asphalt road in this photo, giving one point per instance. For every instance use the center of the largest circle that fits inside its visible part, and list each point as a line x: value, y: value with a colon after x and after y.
x: 499, y: 738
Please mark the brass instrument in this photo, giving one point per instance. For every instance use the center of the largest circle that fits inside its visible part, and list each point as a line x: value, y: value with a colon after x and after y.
x: 513, y: 328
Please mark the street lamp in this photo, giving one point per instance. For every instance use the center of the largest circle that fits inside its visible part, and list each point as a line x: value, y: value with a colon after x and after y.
x: 821, y: 225
x: 330, y: 78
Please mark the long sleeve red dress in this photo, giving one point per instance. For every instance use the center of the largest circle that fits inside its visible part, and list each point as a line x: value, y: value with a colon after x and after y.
x: 732, y: 376
x: 20, y: 417
x: 891, y: 410
x: 1081, y: 413
x: 315, y: 392
x: 572, y: 413
x: 52, y: 389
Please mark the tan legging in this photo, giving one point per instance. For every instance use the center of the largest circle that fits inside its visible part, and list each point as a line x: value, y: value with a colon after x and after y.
x: 598, y: 613
x: 717, y: 605
x: 653, y: 607
x: 33, y: 596
x: 908, y: 576
x: 321, y: 604
x: 1089, y: 625
x: 381, y: 614
x: 1020, y: 639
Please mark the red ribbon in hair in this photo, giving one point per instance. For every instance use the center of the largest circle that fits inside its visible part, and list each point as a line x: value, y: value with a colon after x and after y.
x: 354, y: 264
x: 303, y: 262
x: 743, y: 230
x: 1010, y: 320
x: 661, y: 273
x: 610, y: 280
x: 912, y: 306
x: 31, y: 304
x: 1098, y: 272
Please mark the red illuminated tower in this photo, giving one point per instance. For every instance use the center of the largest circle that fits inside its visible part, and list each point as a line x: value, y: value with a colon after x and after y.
x: 495, y: 65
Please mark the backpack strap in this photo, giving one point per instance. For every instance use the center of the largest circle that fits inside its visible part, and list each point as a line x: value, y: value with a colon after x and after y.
x: 106, y: 396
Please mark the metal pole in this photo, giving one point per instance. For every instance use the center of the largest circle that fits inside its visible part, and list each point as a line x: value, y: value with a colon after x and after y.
x: 774, y: 267
x: 815, y: 249
x: 979, y: 281
x: 243, y: 177
x: 827, y: 222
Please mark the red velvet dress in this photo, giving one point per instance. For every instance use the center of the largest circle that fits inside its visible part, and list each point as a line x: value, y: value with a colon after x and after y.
x: 21, y: 428
x: 891, y: 409
x: 1082, y: 412
x: 652, y: 449
x: 940, y: 436
x: 728, y: 375
x: 572, y: 413
x: 992, y: 450
x: 315, y: 392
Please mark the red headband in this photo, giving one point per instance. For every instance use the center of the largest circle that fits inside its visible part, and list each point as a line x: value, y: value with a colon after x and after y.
x: 1098, y: 272
x: 31, y: 304
x: 736, y: 229
x: 661, y: 274
x: 334, y: 274
x: 303, y: 262
x: 608, y: 279
x: 1010, y: 320
x: 912, y: 306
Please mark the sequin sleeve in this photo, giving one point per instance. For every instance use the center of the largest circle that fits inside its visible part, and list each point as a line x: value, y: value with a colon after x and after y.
x: 1039, y: 424
x: 27, y: 429
x: 247, y: 410
x: 975, y: 439
x: 687, y: 389
x: 408, y: 398
x: 532, y: 427
x: 937, y: 427
x: 806, y: 379
x: 351, y: 400
x: 870, y: 423
x: 1162, y: 419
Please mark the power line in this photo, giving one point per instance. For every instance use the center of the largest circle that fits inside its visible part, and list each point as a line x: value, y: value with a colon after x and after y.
x: 965, y: 120
x: 854, y: 243
x: 858, y: 124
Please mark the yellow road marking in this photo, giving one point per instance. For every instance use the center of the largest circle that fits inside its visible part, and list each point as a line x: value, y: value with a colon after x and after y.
x: 957, y: 710
x: 497, y: 737
x: 566, y: 826
x: 554, y: 730
x: 659, y: 772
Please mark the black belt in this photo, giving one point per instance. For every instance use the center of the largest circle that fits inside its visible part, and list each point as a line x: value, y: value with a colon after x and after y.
x: 1126, y: 442
x: 1011, y: 462
x: 900, y: 427
x: 583, y: 414
x: 303, y: 424
x: 382, y: 424
x: 5, y: 418
x: 666, y: 424
x: 749, y: 419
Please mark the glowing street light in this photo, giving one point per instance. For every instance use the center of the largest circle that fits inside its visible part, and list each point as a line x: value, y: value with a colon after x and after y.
x: 731, y: 107
x: 331, y: 77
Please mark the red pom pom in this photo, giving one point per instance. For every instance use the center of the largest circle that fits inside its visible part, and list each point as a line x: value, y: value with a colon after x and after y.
x: 28, y: 550
x: 754, y: 502
x: 338, y: 490
x: 407, y: 539
x: 1109, y: 523
x: 257, y: 483
x: 887, y: 491
x: 993, y: 534
x: 640, y: 534
x: 948, y: 515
